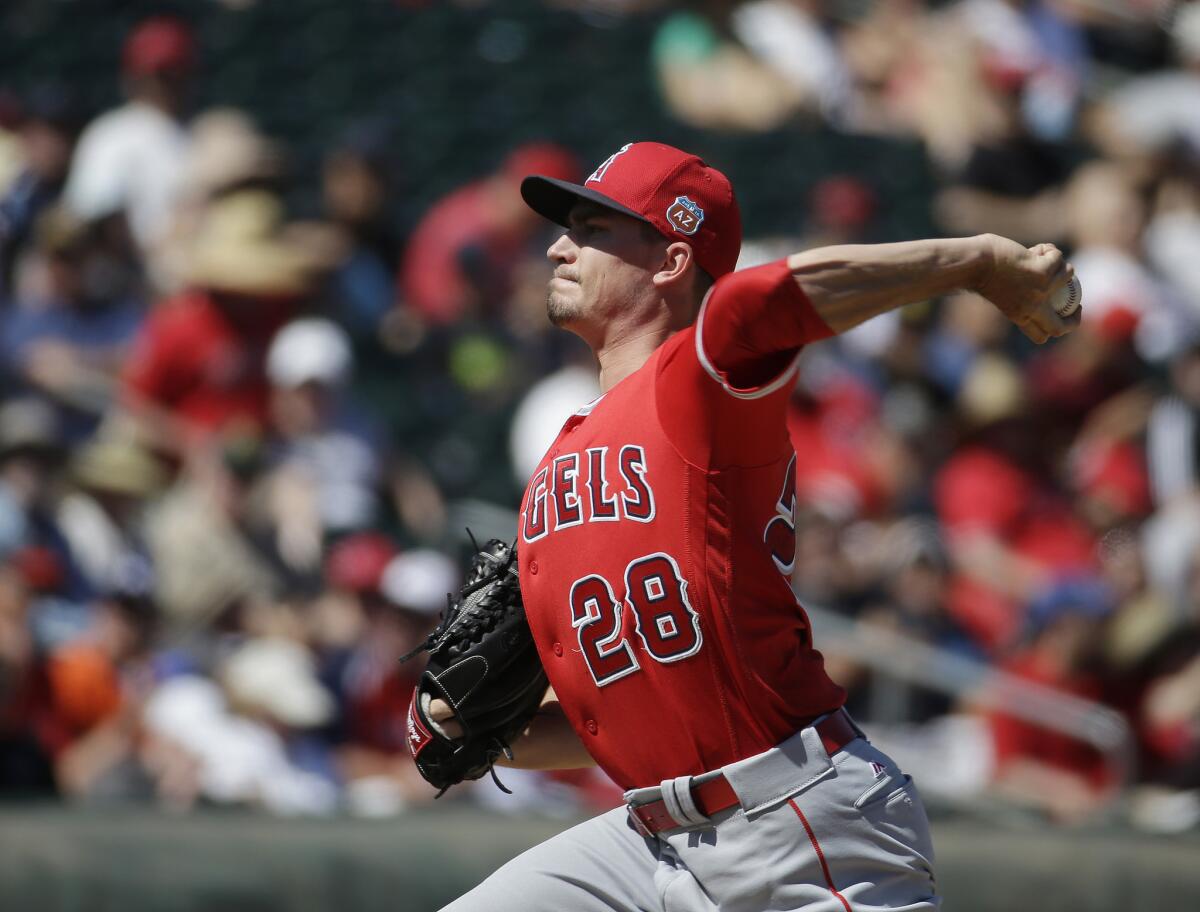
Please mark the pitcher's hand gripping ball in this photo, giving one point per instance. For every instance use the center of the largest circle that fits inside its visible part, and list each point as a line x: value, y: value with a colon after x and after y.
x: 483, y: 663
x: 1067, y: 299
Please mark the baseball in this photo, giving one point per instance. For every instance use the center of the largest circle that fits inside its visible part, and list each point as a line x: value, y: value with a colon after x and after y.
x: 1067, y: 299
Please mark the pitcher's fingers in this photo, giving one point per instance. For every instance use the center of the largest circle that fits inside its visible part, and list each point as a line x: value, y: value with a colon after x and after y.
x: 1060, y: 277
x: 1033, y: 331
x: 1054, y: 325
x: 1053, y: 264
x: 1060, y: 326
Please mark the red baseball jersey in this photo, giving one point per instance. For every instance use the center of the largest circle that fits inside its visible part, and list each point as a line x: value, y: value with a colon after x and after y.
x: 657, y: 541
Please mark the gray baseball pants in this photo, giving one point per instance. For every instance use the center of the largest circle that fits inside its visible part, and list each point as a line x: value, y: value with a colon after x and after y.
x: 815, y: 833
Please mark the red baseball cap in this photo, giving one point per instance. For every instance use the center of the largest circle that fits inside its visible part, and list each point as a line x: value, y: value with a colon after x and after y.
x: 357, y: 562
x: 157, y: 44
x: 668, y: 188
x: 541, y: 158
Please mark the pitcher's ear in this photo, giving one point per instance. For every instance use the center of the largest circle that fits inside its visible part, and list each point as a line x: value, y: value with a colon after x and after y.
x: 677, y: 266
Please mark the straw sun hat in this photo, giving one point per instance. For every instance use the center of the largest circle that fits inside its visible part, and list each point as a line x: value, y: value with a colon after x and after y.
x: 244, y: 247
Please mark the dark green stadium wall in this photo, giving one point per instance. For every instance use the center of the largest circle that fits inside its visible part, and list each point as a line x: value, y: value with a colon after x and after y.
x: 459, y: 88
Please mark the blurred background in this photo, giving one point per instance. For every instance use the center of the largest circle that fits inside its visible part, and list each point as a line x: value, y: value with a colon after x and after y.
x: 273, y: 336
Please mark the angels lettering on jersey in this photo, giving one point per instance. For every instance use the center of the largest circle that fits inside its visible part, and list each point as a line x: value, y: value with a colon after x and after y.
x: 600, y: 484
x: 577, y: 488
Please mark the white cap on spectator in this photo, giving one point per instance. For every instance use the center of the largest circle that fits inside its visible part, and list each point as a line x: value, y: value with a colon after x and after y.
x: 419, y: 580
x: 540, y: 416
x: 238, y: 759
x: 307, y: 351
x: 277, y: 677
x: 186, y: 709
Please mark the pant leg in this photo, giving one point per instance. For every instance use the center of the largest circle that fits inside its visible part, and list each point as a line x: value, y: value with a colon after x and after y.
x: 856, y: 841
x: 876, y: 850
x: 600, y: 865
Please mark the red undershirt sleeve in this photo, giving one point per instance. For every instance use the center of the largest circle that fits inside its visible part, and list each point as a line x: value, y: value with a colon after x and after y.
x: 723, y: 384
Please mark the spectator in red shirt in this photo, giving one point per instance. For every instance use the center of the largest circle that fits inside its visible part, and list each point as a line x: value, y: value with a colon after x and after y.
x: 198, y: 365
x: 393, y: 599
x: 1010, y: 531
x: 463, y: 254
x: 1056, y: 772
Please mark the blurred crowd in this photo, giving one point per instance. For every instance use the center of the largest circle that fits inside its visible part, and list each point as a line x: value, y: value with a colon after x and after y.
x: 236, y: 446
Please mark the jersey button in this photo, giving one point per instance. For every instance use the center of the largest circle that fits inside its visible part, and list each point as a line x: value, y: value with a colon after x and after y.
x: 558, y: 649
x: 533, y: 567
x: 591, y: 726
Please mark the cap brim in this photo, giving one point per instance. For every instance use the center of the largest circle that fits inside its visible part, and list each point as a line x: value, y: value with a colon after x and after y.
x: 553, y: 198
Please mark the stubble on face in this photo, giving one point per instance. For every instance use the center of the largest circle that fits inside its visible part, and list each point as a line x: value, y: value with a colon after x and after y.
x: 558, y: 310
x: 561, y: 306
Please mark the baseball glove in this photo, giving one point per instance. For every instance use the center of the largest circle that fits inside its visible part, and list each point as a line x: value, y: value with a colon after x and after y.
x: 482, y: 661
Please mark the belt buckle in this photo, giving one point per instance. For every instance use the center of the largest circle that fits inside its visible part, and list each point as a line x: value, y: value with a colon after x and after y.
x: 638, y: 823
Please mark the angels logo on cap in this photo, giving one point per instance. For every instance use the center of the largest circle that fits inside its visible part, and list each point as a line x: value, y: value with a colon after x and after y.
x: 602, y: 168
x: 685, y: 216
x: 667, y: 188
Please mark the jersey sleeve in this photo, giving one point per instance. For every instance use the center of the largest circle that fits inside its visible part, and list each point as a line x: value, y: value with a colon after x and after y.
x: 723, y: 384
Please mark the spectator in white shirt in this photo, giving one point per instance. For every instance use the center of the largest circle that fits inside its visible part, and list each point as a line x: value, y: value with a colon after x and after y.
x: 129, y: 159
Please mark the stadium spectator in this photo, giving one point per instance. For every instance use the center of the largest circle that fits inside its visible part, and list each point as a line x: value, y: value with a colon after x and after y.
x: 330, y: 446
x: 1039, y: 51
x: 226, y: 153
x: 199, y: 362
x: 1012, y: 179
x: 910, y: 596
x: 245, y: 740
x: 797, y: 40
x: 1053, y: 771
x: 356, y: 185
x: 128, y: 160
x: 215, y: 547
x: 67, y: 340
x: 709, y: 79
x: 48, y: 129
x: 1168, y: 710
x: 1009, y: 530
x: 460, y: 260
x: 102, y: 514
x: 400, y: 597
x: 1150, y: 113
x: 97, y: 683
x: 918, y: 73
x: 1107, y: 217
x: 32, y: 457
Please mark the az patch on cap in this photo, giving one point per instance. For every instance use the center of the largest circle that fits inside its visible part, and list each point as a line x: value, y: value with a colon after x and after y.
x: 685, y: 216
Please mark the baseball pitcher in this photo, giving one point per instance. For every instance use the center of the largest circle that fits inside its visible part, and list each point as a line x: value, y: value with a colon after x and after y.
x: 654, y: 552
